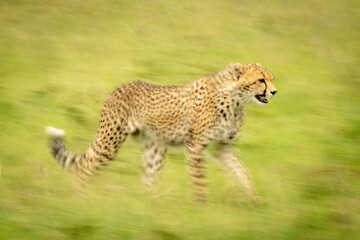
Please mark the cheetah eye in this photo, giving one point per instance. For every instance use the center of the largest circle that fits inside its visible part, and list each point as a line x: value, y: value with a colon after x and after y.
x: 262, y: 80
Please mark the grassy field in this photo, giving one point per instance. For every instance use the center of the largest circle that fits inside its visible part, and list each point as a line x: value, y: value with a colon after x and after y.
x: 60, y: 59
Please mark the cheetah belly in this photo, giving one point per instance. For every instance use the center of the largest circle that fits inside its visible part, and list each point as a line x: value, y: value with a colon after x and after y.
x: 174, y: 138
x: 171, y: 133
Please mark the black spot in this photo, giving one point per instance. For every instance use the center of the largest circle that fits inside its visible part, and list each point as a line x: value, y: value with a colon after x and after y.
x: 118, y: 128
x: 73, y: 159
x: 197, y: 175
x: 224, y: 115
x: 111, y: 138
x: 232, y: 135
x: 221, y: 111
x: 222, y: 103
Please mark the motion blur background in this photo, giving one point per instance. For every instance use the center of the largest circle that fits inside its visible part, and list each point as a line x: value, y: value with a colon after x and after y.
x: 59, y: 60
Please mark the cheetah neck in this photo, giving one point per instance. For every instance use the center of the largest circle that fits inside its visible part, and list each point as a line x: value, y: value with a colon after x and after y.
x: 241, y: 99
x: 222, y: 83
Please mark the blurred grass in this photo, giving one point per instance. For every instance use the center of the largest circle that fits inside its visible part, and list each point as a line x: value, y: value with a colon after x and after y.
x: 60, y: 59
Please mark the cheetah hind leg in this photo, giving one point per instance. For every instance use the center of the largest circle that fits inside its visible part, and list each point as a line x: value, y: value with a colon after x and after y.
x: 153, y: 160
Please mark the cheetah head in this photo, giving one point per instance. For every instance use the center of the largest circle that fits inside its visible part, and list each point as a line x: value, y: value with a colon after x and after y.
x: 254, y: 81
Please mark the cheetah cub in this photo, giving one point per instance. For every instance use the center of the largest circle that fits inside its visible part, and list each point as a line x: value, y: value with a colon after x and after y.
x: 209, y: 109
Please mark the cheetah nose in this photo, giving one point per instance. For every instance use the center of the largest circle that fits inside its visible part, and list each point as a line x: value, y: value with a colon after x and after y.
x: 274, y: 92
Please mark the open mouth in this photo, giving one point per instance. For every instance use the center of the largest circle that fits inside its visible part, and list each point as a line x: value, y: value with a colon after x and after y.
x: 261, y: 98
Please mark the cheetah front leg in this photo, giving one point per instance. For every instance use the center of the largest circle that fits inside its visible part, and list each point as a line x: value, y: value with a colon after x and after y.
x: 196, y: 171
x: 153, y: 160
x: 234, y: 164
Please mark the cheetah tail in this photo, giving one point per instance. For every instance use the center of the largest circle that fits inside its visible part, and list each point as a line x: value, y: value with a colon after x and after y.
x: 57, y: 146
x: 65, y: 159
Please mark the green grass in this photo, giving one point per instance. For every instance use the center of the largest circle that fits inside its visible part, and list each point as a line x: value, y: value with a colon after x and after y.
x: 60, y: 59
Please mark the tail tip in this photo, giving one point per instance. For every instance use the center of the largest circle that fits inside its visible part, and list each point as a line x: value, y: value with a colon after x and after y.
x: 51, y: 131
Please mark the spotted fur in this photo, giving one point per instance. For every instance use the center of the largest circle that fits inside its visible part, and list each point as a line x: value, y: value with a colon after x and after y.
x: 209, y: 109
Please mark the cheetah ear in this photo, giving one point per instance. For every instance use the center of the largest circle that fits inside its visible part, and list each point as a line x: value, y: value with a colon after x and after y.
x: 237, y: 71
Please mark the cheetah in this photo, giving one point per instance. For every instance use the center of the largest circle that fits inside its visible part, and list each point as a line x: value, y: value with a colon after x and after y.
x: 207, y: 110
